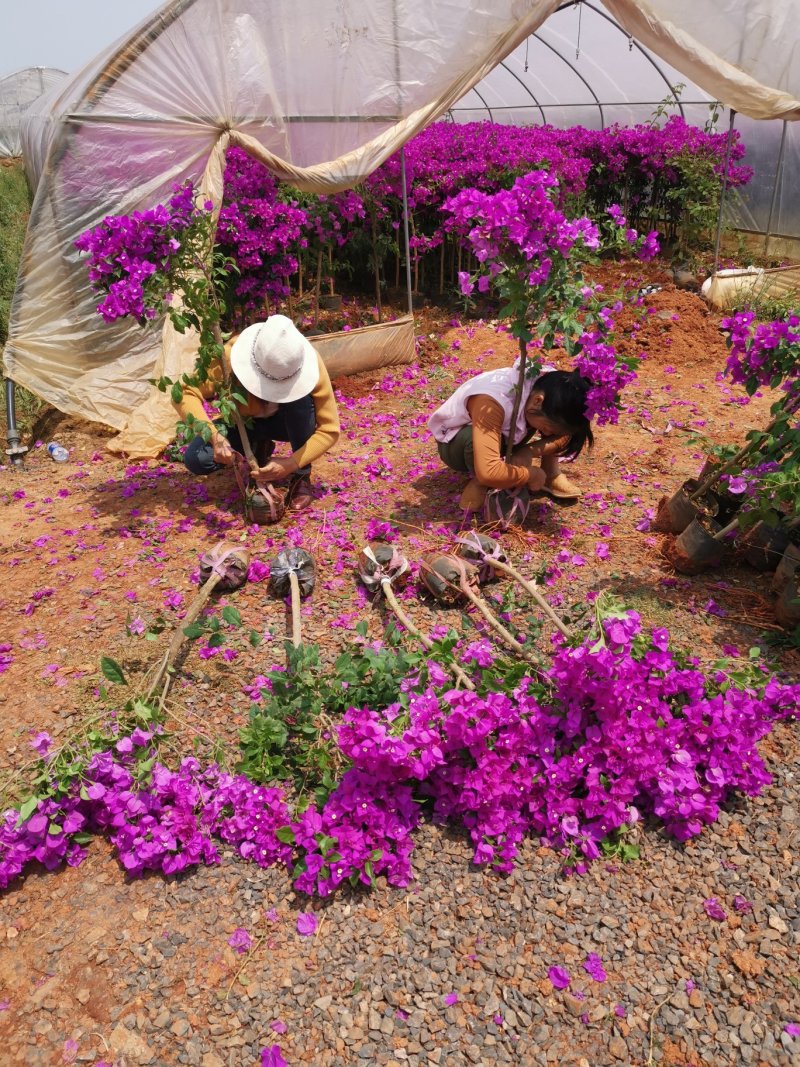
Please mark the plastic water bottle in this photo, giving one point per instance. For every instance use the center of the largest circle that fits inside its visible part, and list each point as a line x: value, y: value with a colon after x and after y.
x: 58, y: 452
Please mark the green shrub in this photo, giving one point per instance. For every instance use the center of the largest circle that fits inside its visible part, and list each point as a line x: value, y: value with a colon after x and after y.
x: 14, y: 209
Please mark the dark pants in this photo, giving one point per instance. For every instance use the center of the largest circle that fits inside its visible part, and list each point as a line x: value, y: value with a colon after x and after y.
x: 294, y: 422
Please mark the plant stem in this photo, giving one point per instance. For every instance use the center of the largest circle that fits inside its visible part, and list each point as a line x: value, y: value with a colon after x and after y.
x: 294, y: 585
x: 495, y: 623
x: 523, y: 356
x: 405, y: 621
x: 714, y: 476
x: 512, y: 572
x: 179, y: 637
x: 732, y: 525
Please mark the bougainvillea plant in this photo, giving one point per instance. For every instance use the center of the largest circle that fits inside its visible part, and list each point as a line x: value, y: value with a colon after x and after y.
x: 524, y: 246
x: 164, y: 262
x: 621, y: 728
x: 764, y: 474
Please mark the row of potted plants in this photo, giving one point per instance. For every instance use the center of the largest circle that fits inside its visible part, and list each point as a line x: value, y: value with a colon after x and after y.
x: 749, y: 497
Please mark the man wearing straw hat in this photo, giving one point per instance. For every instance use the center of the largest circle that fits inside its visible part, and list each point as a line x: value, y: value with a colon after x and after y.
x: 288, y: 397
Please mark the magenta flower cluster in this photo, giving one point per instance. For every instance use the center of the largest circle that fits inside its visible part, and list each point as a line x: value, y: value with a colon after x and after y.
x: 129, y: 253
x: 625, y: 729
x: 259, y: 231
x: 598, y: 361
x: 764, y: 353
x: 520, y: 222
x: 522, y: 242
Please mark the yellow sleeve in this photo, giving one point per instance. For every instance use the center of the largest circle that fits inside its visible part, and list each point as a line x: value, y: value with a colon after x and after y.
x: 327, y: 412
x: 487, y: 433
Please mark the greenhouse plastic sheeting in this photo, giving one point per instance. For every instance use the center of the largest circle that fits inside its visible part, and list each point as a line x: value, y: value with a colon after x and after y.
x: 322, y: 92
x: 17, y: 92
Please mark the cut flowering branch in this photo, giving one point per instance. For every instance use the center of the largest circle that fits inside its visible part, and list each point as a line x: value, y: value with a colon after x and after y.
x: 523, y: 366
x: 293, y: 573
x: 485, y: 551
x: 450, y: 579
x: 225, y: 566
x: 379, y: 567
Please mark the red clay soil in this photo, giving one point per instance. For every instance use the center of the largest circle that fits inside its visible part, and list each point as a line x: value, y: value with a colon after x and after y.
x: 92, y: 544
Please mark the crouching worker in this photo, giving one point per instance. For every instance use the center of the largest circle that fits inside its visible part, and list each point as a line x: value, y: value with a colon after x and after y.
x: 288, y: 397
x: 472, y: 427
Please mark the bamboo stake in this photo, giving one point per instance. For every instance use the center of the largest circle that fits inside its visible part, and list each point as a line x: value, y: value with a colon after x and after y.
x: 317, y: 288
x: 523, y: 356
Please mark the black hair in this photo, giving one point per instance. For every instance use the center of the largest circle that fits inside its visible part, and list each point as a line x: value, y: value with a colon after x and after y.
x: 564, y: 402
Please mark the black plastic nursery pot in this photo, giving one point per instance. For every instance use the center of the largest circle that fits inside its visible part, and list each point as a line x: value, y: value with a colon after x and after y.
x: 788, y: 567
x: 787, y: 604
x: 764, y: 546
x: 676, y: 512
x: 695, y: 549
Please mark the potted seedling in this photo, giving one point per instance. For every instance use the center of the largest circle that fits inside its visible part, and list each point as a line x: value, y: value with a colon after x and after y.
x: 224, y: 567
x: 488, y: 557
x: 380, y: 568
x: 451, y: 580
x: 293, y: 574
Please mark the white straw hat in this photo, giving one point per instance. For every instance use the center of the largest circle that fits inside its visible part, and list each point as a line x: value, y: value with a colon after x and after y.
x: 274, y: 361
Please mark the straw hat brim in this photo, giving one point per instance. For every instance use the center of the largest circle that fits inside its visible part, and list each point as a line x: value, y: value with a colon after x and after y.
x: 255, y: 382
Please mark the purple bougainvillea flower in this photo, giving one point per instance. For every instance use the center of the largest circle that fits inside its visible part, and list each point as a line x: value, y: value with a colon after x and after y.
x: 741, y: 904
x: 41, y: 743
x: 240, y: 940
x: 451, y: 998
x: 272, y: 915
x: 594, y: 967
x: 714, y: 910
x: 271, y: 1057
x: 257, y: 571
x: 689, y: 985
x: 278, y: 1025
x: 70, y: 1051
x: 620, y: 1011
x: 559, y: 977
x: 737, y: 485
x: 306, y: 923
x: 793, y: 1029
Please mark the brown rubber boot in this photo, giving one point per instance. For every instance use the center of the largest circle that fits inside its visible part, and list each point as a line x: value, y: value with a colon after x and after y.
x: 473, y: 496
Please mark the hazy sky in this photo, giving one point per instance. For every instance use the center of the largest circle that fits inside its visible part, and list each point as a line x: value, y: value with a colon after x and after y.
x: 63, y: 33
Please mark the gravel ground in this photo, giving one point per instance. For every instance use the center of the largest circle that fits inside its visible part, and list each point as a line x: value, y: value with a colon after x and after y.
x: 142, y: 973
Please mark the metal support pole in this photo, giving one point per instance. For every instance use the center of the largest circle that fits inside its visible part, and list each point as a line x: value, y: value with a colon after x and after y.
x: 778, y: 172
x: 405, y: 227
x: 724, y: 190
x: 16, y: 450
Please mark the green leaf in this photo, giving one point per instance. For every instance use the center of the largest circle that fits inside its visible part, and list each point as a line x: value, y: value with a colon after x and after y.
x: 194, y: 630
x: 232, y: 616
x: 176, y: 393
x: 142, y: 710
x: 112, y: 670
x: 255, y: 638
x: 285, y: 834
x: 27, y: 809
x: 216, y: 640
